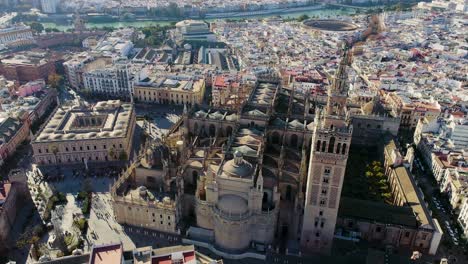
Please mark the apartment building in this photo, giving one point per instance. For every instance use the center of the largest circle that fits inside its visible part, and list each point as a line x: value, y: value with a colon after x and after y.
x: 74, y: 69
x: 106, y: 76
x: 15, y: 36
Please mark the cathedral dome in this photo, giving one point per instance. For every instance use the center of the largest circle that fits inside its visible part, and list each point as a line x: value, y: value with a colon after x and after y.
x: 238, y: 167
x: 232, y: 204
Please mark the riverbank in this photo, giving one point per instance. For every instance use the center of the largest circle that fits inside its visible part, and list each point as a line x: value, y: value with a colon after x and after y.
x: 312, y: 11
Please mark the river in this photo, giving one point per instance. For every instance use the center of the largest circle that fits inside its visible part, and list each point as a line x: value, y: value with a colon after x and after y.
x: 322, y: 13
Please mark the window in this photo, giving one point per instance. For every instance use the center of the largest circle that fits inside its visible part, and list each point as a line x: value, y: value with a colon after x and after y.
x: 74, y: 149
x: 338, y: 148
x: 424, y: 237
x: 325, y: 180
x: 160, y: 216
x: 161, y: 222
x: 321, y: 213
x: 120, y: 145
x: 316, y: 221
x: 331, y: 145
x: 324, y: 191
x: 47, y: 150
x: 81, y: 148
x: 94, y: 146
x: 327, y: 171
x: 317, y: 234
x: 87, y: 147
x: 104, y: 146
x: 322, y: 224
x: 378, y: 229
x: 407, y: 234
x: 168, y: 217
x: 39, y: 150
x: 323, y: 201
x: 153, y: 214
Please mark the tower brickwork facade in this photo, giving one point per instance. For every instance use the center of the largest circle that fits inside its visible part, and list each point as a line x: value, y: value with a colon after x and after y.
x: 330, y: 145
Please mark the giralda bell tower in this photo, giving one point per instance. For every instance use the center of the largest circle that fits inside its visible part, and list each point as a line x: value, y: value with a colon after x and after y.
x: 329, y: 153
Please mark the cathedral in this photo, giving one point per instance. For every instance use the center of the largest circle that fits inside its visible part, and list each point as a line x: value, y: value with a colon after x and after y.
x: 269, y: 175
x: 272, y: 171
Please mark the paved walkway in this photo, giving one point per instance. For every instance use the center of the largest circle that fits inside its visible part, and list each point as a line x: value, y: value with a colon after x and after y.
x: 103, y: 229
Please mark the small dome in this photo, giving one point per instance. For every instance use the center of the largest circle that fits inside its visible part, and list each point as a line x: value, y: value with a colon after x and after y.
x: 368, y: 108
x: 142, y: 190
x: 238, y: 167
x: 149, y: 152
x: 233, y: 204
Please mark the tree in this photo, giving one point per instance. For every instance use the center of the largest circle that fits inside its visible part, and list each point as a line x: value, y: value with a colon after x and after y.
x: 48, y: 30
x: 87, y: 186
x: 123, y: 155
x: 36, y: 27
x: 54, y: 80
x: 111, y: 152
x: 303, y: 17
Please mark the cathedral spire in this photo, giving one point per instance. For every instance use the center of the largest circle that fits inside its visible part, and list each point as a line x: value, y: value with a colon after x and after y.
x: 338, y: 91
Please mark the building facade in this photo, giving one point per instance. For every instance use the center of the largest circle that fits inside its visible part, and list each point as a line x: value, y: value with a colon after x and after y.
x: 49, y: 6
x: 147, y: 194
x: 13, y: 131
x: 329, y: 153
x: 82, y: 134
x: 427, y: 233
x: 110, y: 77
x: 463, y: 217
x: 16, y: 36
x: 74, y: 69
x: 29, y: 66
x: 168, y: 91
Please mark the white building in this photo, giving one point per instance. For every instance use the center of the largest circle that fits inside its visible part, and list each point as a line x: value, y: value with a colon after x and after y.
x: 193, y: 30
x: 459, y: 133
x: 49, y: 6
x: 74, y: 67
x: 15, y: 36
x: 108, y: 77
x: 463, y: 217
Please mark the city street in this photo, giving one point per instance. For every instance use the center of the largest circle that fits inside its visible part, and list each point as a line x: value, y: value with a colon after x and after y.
x: 450, y: 246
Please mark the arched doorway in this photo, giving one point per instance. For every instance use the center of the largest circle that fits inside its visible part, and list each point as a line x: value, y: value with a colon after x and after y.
x: 265, y: 198
x: 212, y: 130
x: 331, y: 145
x: 294, y: 140
x: 275, y: 138
x: 194, y: 177
x: 195, y: 128
x: 228, y: 131
x: 289, y: 193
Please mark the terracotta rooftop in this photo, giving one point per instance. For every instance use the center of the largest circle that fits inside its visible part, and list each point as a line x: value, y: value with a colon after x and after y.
x: 105, y: 254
